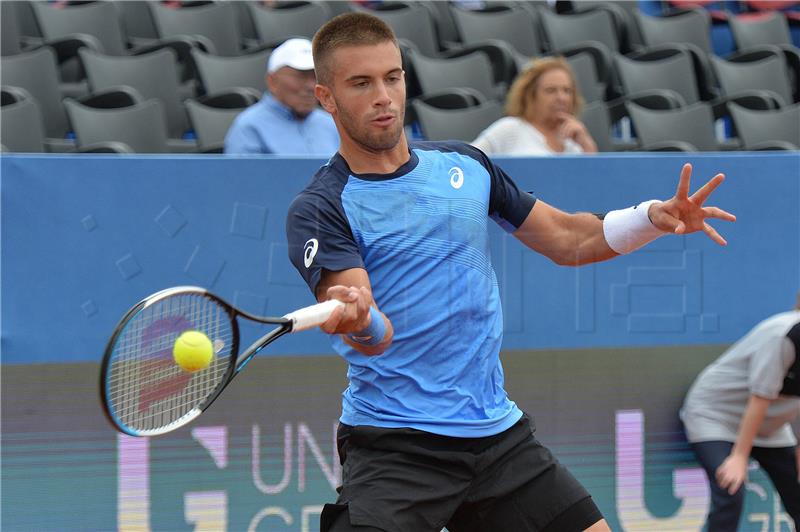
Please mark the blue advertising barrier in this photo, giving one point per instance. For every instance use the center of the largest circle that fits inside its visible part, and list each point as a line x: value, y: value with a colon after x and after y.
x: 84, y: 238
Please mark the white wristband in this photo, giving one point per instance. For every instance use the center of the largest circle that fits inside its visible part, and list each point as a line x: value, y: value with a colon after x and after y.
x: 629, y: 229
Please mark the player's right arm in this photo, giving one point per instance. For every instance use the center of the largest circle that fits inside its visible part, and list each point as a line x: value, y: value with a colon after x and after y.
x: 324, y: 252
x: 352, y: 287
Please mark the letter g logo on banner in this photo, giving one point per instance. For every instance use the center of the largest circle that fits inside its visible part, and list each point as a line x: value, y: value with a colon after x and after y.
x: 309, y: 251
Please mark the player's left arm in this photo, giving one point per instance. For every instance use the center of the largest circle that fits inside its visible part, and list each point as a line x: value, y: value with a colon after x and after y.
x: 566, y: 239
x: 583, y: 238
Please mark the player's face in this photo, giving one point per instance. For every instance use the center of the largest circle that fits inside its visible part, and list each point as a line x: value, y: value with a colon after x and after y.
x: 368, y: 94
x: 294, y: 89
x: 554, y: 94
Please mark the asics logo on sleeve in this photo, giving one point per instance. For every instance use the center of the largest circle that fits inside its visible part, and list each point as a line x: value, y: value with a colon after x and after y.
x: 456, y: 177
x: 309, y: 251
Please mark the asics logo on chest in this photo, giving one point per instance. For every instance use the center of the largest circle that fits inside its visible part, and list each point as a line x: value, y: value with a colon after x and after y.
x: 456, y: 177
x: 309, y: 251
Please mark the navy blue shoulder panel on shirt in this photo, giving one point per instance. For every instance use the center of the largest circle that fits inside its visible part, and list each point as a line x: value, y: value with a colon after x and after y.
x: 507, y: 203
x: 317, y: 230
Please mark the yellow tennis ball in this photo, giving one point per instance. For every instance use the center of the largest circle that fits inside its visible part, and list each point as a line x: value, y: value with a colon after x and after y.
x: 193, y: 351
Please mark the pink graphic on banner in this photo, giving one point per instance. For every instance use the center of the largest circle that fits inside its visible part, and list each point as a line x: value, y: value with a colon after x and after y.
x: 688, y: 483
x: 158, y: 376
x: 215, y: 441
x: 133, y: 491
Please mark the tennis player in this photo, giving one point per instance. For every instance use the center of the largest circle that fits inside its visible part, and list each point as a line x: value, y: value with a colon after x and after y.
x: 428, y: 436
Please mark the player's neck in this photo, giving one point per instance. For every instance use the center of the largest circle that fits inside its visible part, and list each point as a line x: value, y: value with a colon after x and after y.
x: 362, y: 160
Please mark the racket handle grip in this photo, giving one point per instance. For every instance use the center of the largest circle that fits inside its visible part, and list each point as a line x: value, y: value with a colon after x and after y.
x: 308, y: 317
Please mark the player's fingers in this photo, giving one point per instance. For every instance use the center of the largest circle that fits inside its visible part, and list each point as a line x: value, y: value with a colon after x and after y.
x: 683, y: 185
x: 364, y: 296
x: 668, y: 222
x: 664, y: 215
x: 715, y: 212
x: 365, y: 302
x: 351, y: 309
x: 359, y: 309
x: 703, y: 192
x: 342, y: 293
x: 713, y: 235
x: 333, y: 321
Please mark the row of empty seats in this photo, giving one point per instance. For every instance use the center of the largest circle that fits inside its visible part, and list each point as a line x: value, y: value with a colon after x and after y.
x: 688, y: 128
x: 188, y: 59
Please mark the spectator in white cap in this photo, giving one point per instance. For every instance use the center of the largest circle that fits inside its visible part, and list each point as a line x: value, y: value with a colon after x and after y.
x: 287, y: 119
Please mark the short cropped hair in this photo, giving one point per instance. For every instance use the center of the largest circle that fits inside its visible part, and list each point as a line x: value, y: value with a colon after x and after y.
x: 348, y: 29
x: 520, y: 95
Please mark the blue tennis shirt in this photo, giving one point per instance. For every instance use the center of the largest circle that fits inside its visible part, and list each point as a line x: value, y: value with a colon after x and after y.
x: 421, y: 234
x: 270, y: 127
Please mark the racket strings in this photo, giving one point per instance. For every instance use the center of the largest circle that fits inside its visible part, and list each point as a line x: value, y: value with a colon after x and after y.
x: 146, y: 389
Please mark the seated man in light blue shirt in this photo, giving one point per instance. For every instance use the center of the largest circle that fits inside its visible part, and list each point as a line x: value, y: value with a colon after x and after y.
x: 287, y: 120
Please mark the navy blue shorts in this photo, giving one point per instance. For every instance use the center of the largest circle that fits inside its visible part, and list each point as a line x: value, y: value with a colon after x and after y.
x: 407, y: 480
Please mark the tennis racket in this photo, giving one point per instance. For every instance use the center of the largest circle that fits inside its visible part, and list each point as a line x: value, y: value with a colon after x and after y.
x: 143, y: 390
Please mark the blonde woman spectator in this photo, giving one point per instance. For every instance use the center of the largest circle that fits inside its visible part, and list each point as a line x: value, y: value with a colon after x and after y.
x: 540, y: 107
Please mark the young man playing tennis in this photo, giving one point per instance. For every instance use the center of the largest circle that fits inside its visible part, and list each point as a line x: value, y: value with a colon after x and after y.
x: 428, y: 436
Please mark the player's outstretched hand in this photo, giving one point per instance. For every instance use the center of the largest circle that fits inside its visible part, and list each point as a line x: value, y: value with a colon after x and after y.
x: 354, y: 316
x: 683, y: 214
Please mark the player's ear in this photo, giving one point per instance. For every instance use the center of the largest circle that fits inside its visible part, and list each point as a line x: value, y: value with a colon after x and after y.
x: 325, y: 97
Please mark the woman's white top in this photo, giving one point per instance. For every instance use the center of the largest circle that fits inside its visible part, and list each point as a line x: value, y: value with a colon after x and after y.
x: 514, y: 136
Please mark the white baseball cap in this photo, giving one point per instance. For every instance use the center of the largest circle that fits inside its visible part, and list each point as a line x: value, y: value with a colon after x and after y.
x: 294, y: 53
